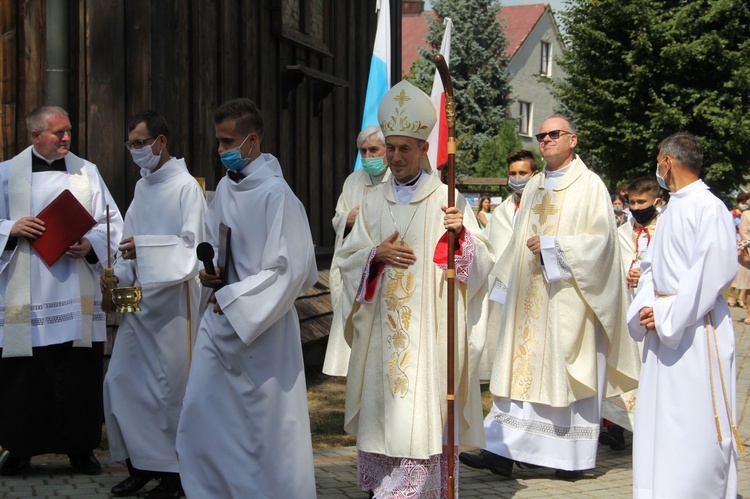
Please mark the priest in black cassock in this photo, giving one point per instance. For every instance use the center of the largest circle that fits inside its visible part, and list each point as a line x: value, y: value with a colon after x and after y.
x: 52, y: 329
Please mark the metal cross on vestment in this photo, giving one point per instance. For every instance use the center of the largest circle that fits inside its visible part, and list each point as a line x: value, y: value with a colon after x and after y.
x: 545, y: 208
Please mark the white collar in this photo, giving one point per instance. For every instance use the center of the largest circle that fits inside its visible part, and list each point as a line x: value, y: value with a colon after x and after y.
x: 49, y: 161
x: 559, y: 172
x: 404, y: 193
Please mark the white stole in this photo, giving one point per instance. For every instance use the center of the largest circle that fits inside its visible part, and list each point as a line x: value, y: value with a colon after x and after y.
x: 17, y: 328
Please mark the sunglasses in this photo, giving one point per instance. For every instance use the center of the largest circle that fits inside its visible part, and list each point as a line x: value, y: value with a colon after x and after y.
x: 553, y: 134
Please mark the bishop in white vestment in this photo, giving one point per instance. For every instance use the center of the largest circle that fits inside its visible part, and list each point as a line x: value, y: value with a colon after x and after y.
x: 245, y: 430
x: 372, y: 175
x: 685, y: 444
x: 393, y: 270
x: 148, y: 371
x: 53, y: 329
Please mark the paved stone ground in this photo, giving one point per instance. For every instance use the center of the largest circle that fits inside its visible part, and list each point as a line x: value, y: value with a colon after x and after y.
x: 336, y: 475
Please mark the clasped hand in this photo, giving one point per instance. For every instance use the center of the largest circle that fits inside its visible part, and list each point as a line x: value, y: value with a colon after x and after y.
x: 646, y: 315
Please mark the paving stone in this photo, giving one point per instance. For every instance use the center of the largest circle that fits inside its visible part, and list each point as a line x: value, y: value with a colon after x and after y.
x: 336, y: 469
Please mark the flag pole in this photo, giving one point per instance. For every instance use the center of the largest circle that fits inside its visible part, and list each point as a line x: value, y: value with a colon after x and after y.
x: 450, y: 114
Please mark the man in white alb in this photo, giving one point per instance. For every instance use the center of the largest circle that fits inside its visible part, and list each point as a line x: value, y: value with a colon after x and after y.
x: 685, y: 442
x: 244, y: 430
x: 148, y: 371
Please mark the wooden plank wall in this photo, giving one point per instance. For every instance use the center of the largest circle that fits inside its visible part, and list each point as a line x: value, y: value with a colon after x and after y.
x: 183, y: 58
x: 23, y: 60
x: 8, y: 66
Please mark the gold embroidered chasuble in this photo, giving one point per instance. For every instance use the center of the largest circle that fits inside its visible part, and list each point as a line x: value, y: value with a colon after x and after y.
x: 498, y: 232
x: 547, y: 348
x: 396, y: 384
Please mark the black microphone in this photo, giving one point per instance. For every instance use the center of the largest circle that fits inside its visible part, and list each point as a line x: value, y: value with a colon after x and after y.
x: 205, y: 253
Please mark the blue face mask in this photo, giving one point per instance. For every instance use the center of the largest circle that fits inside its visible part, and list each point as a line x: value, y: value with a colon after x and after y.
x: 660, y: 179
x: 373, y: 166
x: 232, y: 158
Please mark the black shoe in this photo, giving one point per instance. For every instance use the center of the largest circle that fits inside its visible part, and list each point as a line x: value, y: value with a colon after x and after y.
x: 4, y: 455
x: 129, y: 486
x: 614, y: 437
x: 170, y: 486
x: 486, y: 460
x: 568, y: 474
x: 14, y: 465
x: 85, y: 463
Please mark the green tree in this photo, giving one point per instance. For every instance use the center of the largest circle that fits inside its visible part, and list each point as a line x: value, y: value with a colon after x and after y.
x: 478, y: 67
x: 639, y: 71
x: 492, y: 156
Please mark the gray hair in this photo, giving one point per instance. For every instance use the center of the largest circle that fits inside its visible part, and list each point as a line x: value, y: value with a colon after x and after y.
x: 685, y: 148
x: 370, y: 130
x: 39, y: 117
x: 569, y: 121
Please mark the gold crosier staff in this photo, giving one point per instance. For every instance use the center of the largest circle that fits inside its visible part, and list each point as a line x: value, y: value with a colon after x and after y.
x: 450, y: 114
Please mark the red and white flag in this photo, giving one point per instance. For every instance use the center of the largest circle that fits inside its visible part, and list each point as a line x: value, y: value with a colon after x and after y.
x: 438, y: 139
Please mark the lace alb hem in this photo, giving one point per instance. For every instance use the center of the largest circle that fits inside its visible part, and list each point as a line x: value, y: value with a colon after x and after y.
x: 546, y: 429
x: 404, y: 478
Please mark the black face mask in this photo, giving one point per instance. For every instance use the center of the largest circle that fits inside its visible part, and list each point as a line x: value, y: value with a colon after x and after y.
x: 645, y: 215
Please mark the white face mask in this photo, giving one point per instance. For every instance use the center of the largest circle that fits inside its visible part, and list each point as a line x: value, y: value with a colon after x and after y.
x: 518, y: 184
x: 145, y: 158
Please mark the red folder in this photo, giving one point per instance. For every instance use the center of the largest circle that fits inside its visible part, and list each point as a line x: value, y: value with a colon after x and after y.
x: 66, y: 221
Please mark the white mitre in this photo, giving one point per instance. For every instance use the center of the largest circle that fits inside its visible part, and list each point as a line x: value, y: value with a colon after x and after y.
x: 406, y: 110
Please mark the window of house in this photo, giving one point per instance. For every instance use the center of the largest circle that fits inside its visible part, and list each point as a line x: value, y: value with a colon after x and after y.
x: 546, y: 63
x: 524, y: 118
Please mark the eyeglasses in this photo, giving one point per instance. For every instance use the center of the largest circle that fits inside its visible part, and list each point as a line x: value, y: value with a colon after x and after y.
x: 137, y: 144
x: 553, y: 134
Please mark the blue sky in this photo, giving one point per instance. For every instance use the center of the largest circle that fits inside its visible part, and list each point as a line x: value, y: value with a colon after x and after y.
x: 555, y: 4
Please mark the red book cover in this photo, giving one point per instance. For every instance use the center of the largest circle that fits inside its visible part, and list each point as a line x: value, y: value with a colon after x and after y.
x: 65, y: 222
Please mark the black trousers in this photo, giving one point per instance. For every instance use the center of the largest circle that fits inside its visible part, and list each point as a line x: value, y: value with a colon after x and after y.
x: 52, y: 402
